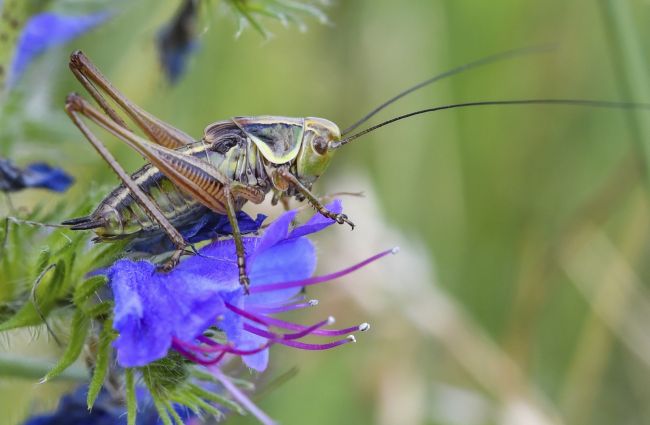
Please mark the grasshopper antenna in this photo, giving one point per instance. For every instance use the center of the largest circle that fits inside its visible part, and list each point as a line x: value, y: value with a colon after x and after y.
x: 567, y: 102
x: 497, y: 57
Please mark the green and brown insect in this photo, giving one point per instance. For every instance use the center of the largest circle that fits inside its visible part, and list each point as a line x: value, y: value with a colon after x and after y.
x: 237, y: 160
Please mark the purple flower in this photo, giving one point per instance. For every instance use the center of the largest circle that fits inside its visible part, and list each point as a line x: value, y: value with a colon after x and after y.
x: 200, y: 309
x: 47, y: 30
x: 37, y: 175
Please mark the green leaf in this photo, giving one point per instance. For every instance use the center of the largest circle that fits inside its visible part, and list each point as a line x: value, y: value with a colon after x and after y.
x: 80, y: 324
x: 101, y: 365
x: 131, y: 401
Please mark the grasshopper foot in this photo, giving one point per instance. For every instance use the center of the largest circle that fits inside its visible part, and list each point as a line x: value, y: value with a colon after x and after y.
x: 245, y: 282
x: 169, y: 265
x: 342, y: 218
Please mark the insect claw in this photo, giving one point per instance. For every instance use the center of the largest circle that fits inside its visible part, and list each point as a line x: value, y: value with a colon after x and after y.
x: 246, y: 283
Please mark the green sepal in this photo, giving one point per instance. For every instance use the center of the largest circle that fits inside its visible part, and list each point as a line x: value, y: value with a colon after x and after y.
x: 241, y: 8
x: 170, y: 409
x: 131, y: 400
x: 100, y: 310
x: 80, y: 324
x: 198, y: 403
x: 208, y: 395
x: 53, y: 287
x: 104, y: 351
x: 87, y: 288
x: 42, y: 260
x: 162, y: 411
x: 163, y: 377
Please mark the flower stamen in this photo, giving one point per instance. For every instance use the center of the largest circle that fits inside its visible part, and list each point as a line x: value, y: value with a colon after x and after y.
x: 319, y: 279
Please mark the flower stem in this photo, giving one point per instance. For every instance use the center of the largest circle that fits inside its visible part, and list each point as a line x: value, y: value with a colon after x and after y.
x: 628, y: 59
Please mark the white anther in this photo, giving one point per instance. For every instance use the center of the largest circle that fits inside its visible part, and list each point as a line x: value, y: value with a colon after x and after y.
x: 394, y: 250
x: 364, y: 327
x: 312, y: 302
x: 351, y: 338
x: 331, y: 320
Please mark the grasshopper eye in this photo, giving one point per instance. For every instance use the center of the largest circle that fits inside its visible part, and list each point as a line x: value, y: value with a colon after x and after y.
x: 320, y: 145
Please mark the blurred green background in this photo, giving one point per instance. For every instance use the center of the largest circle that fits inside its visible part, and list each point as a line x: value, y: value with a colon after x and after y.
x: 520, y: 295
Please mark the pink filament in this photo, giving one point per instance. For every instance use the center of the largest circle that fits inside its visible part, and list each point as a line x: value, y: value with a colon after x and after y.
x: 296, y: 344
x: 272, y: 321
x: 317, y: 279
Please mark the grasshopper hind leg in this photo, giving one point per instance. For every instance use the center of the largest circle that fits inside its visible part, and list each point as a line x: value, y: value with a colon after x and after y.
x: 76, y: 107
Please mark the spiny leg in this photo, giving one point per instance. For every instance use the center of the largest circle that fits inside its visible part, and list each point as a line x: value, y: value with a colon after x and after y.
x: 75, y: 109
x: 313, y: 200
x: 157, y: 130
x: 236, y: 234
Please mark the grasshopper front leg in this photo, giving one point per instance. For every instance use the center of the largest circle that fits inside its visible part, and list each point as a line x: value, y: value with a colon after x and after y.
x: 236, y: 234
x: 312, y: 199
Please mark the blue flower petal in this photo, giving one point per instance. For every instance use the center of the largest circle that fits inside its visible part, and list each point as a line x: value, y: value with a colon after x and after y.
x: 47, y: 30
x: 277, y: 231
x: 318, y: 221
x: 288, y: 261
x: 258, y: 361
x: 44, y: 176
x: 152, y: 307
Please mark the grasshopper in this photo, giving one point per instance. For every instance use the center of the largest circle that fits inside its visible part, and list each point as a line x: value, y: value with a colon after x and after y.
x: 236, y: 161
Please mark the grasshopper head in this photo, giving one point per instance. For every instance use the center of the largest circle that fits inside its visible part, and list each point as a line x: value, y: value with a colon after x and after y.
x: 315, y: 151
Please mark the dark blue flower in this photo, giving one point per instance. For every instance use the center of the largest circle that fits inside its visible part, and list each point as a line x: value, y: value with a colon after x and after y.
x: 204, y: 225
x: 155, y: 312
x: 177, y: 40
x: 73, y: 410
x: 47, y: 30
x: 37, y: 175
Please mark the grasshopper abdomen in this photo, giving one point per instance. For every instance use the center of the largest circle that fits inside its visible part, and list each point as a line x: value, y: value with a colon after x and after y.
x: 120, y: 216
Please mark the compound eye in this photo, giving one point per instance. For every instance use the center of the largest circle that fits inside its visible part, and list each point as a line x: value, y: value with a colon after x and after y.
x: 320, y: 145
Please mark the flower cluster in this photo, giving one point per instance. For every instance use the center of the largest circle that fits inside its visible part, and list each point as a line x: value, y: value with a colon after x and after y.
x: 200, y: 310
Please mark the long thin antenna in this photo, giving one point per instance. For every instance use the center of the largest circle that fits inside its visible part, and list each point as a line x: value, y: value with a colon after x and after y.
x: 509, y: 54
x: 568, y: 102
